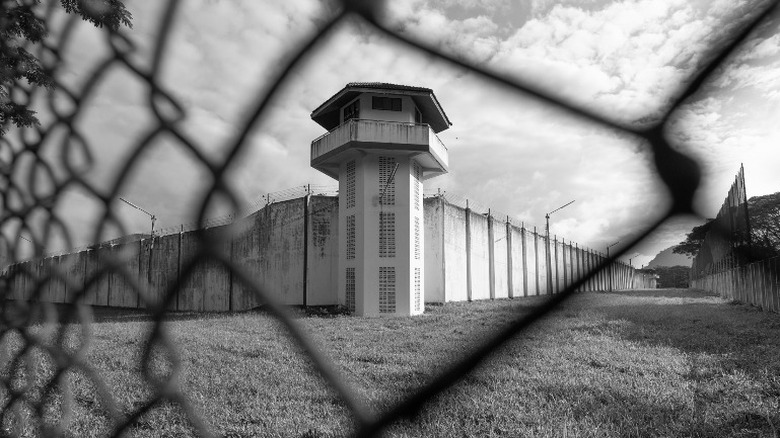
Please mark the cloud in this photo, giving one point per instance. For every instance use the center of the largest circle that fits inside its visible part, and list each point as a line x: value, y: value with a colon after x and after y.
x: 627, y: 59
x: 507, y: 151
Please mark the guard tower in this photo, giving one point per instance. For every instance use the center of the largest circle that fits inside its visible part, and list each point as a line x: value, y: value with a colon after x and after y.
x: 381, y: 145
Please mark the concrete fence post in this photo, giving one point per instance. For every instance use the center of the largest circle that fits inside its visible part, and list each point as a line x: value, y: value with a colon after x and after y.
x: 509, y: 262
x: 305, y: 288
x: 536, y: 261
x: 491, y: 257
x: 524, y: 257
x: 565, y: 269
x: 575, y: 264
x: 586, y: 268
x: 468, y: 252
x: 140, y: 281
x: 557, y: 274
x: 178, y: 268
x: 443, y: 249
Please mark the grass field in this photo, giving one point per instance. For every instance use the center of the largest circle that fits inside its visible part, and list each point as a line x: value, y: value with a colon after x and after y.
x: 635, y: 364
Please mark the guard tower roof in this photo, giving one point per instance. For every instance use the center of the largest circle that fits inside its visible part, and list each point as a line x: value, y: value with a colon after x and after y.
x: 327, y: 114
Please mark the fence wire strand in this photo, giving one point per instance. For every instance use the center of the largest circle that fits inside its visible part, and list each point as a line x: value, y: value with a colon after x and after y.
x: 29, y: 209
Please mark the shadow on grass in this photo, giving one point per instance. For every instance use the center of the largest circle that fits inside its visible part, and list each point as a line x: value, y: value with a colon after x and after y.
x: 642, y: 417
x: 19, y: 313
x: 695, y: 322
x: 664, y: 293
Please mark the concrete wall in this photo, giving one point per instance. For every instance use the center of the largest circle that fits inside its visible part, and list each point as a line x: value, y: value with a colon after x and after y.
x: 279, y: 237
x: 476, y: 251
x: 322, y: 251
x: 756, y: 283
x: 434, y: 249
x: 290, y: 249
x: 124, y: 278
x: 456, y: 273
x: 268, y: 245
x: 499, y: 255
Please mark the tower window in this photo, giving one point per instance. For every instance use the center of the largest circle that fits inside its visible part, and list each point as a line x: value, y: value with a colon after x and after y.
x: 386, y: 234
x: 386, y: 103
x: 417, y: 178
x: 417, y: 289
x: 417, y: 116
x: 352, y: 111
x: 351, y: 237
x: 350, y: 184
x: 386, y: 290
x: 387, y: 180
x: 417, y: 249
x: 350, y: 289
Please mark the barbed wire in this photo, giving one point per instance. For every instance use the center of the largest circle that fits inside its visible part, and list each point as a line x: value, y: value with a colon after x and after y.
x: 466, y: 202
x: 30, y: 207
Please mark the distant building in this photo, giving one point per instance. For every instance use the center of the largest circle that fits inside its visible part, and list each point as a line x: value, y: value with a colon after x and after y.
x: 381, y: 145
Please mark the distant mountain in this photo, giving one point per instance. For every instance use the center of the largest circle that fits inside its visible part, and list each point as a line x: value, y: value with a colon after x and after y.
x: 668, y: 258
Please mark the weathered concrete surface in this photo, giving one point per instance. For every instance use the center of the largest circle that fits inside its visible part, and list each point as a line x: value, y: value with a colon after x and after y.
x: 158, y: 269
x: 433, y: 209
x: 500, y: 276
x: 74, y: 268
x: 541, y: 264
x: 57, y: 285
x: 270, y: 246
x: 480, y: 258
x: 122, y: 293
x: 322, y: 251
x: 207, y: 286
x: 559, y: 266
x: 95, y: 279
x: 519, y: 262
x: 244, y: 253
x: 280, y: 236
x: 23, y: 277
x: 455, y: 277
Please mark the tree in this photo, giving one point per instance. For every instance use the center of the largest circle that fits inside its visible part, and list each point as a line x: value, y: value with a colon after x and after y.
x: 673, y: 276
x: 693, y: 240
x: 764, y: 216
x: 20, y: 26
x: 765, y: 225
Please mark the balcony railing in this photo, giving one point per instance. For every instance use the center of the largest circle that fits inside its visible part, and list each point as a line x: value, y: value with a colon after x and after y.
x: 379, y: 131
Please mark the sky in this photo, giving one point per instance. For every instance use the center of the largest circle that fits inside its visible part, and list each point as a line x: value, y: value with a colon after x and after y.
x: 522, y: 157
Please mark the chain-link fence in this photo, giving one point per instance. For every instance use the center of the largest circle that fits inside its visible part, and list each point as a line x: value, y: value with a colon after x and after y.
x: 29, y: 202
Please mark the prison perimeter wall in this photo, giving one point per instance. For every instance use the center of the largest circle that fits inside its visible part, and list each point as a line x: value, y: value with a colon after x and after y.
x: 290, y: 248
x: 472, y: 256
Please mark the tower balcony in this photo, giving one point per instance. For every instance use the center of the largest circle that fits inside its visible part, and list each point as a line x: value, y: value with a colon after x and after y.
x: 379, y: 136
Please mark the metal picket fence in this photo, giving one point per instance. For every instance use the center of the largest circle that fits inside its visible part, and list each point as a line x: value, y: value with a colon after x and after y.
x: 25, y: 202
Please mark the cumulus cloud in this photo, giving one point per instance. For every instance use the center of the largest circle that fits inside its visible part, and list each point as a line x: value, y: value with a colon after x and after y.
x: 507, y: 151
x: 627, y: 59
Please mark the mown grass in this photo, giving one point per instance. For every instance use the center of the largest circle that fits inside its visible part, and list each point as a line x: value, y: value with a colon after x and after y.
x: 633, y: 364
